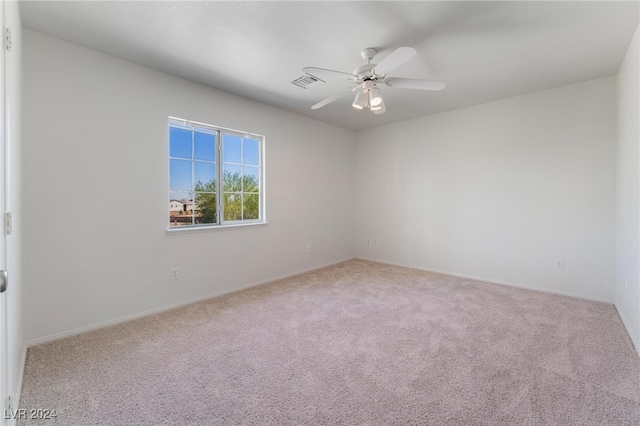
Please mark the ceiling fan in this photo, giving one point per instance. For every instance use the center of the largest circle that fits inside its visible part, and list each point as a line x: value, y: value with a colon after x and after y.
x: 369, y: 76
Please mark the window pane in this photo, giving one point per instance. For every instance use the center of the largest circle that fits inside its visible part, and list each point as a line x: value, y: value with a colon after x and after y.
x: 251, y: 152
x: 232, y: 206
x: 232, y: 148
x: 232, y: 179
x: 180, y: 175
x: 204, y: 146
x: 251, y: 179
x: 205, y: 176
x: 207, y: 209
x: 206, y: 188
x: 180, y: 143
x: 178, y: 215
x: 251, y: 206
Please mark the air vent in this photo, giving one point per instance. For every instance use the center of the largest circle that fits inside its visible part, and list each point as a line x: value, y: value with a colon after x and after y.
x: 306, y: 80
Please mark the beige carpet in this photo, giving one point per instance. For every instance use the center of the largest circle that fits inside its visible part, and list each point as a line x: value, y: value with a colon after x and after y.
x: 355, y: 343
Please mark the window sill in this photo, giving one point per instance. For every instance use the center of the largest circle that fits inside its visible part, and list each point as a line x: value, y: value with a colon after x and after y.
x: 196, y: 229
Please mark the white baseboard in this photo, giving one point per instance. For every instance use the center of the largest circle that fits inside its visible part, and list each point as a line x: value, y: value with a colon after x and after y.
x: 107, y: 323
x: 492, y: 281
x: 634, y: 339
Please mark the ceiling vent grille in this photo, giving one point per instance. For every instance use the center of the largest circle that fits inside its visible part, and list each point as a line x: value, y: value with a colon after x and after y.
x: 306, y: 80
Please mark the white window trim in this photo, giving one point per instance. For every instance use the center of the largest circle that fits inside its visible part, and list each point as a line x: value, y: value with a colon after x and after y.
x: 212, y: 228
x: 223, y: 225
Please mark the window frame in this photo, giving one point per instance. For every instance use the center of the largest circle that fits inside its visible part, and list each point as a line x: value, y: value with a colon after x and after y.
x: 219, y: 162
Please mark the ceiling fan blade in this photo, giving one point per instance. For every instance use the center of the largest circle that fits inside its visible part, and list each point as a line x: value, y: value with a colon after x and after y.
x: 320, y: 72
x: 414, y: 83
x: 331, y: 98
x: 394, y: 60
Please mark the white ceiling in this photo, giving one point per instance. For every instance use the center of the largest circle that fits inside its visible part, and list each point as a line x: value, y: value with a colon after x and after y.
x: 483, y: 50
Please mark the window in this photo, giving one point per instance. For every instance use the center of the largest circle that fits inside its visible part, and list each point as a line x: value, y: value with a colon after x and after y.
x: 215, y: 176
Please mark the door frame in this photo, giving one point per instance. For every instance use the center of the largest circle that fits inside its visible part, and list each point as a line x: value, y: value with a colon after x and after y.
x: 4, y: 349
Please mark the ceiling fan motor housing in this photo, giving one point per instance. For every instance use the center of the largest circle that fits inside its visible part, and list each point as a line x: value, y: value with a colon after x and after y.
x: 364, y: 72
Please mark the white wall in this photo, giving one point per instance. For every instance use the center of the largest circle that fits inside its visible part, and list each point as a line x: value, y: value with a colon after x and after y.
x: 498, y: 191
x: 628, y: 194
x: 96, y: 139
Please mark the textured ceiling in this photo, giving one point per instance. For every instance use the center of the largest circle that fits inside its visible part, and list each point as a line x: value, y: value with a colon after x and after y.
x: 484, y: 51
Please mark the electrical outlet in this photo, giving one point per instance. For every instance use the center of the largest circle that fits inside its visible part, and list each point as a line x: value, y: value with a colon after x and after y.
x: 308, y: 248
x: 174, y: 274
x: 559, y: 263
x: 368, y: 242
x: 626, y: 283
x: 375, y: 242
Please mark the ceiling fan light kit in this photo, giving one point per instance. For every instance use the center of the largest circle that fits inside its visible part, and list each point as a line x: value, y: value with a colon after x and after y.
x: 368, y: 76
x: 361, y: 101
x: 369, y: 97
x: 375, y: 98
x: 380, y: 108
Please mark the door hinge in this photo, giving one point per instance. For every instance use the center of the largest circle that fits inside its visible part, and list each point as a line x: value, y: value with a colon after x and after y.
x: 8, y: 223
x: 8, y: 39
